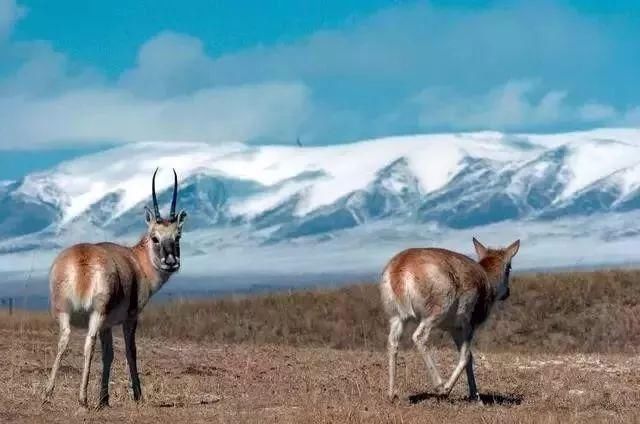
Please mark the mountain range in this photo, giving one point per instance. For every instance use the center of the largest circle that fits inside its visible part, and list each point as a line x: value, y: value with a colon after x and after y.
x: 242, y: 196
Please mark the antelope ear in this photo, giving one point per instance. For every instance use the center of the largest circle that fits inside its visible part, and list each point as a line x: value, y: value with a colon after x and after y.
x: 481, y: 251
x: 182, y: 216
x: 148, y: 215
x: 513, y: 249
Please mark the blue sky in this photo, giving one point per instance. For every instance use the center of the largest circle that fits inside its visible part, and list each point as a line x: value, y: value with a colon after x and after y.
x: 77, y: 76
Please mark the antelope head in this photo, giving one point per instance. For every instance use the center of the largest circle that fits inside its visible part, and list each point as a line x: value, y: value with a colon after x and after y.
x: 497, y: 263
x: 164, y: 233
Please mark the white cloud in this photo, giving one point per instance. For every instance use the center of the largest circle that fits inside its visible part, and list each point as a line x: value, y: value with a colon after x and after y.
x: 512, y: 67
x: 42, y: 71
x: 10, y: 13
x: 169, y: 64
x: 49, y: 101
x: 514, y: 105
x: 597, y: 112
x: 421, y: 43
x: 213, y: 115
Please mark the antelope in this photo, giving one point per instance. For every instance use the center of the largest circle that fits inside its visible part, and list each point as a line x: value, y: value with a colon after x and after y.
x: 438, y: 288
x: 110, y: 284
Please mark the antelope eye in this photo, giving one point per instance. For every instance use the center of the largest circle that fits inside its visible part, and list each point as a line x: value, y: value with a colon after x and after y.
x: 155, y: 240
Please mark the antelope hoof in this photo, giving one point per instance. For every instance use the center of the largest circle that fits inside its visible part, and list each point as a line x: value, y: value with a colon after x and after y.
x: 82, y: 409
x: 392, y: 397
x: 48, y: 392
x: 476, y: 398
x: 46, y: 398
x: 104, y: 403
x: 439, y: 388
x: 444, y: 391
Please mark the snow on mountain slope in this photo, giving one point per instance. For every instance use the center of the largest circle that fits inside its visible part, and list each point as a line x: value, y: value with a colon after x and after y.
x: 589, y: 161
x: 75, y: 185
x: 627, y: 180
x: 275, y: 194
x: 542, y: 180
x: 626, y: 135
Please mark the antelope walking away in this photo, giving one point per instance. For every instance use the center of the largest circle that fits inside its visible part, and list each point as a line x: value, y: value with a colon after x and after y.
x: 441, y: 288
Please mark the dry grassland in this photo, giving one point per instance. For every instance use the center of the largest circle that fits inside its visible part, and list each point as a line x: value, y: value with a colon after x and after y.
x: 563, y: 348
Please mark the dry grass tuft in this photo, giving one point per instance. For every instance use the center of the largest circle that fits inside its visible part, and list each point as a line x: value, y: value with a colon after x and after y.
x: 559, y: 313
x: 565, y: 312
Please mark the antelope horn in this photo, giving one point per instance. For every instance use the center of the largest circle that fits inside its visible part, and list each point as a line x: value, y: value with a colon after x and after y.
x: 172, y: 213
x: 156, y: 209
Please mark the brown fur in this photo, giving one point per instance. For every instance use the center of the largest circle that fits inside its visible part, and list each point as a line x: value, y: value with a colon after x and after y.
x: 121, y: 270
x: 441, y: 288
x: 140, y: 252
x: 81, y: 256
x: 463, y: 273
x: 110, y: 284
x: 493, y: 264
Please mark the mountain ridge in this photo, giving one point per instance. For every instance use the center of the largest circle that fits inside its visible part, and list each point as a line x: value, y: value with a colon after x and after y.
x: 276, y: 194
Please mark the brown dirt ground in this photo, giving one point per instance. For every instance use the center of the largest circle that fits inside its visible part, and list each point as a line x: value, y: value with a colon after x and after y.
x: 188, y: 381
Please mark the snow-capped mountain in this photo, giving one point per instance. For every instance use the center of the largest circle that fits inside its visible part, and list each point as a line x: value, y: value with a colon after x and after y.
x: 269, y: 195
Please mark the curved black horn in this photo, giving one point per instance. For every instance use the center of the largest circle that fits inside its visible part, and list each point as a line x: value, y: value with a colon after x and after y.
x: 156, y: 209
x: 172, y: 213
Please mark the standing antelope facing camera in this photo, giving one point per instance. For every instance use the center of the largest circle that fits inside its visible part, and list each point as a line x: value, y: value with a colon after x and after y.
x: 111, y: 284
x: 448, y: 290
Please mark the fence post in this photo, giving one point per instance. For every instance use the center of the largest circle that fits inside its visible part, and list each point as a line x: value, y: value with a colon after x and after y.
x: 7, y: 301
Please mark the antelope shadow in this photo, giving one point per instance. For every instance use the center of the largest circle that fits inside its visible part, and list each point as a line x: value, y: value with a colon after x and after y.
x: 486, y: 398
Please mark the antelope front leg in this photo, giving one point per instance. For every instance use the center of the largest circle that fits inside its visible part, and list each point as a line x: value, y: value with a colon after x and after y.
x: 106, y: 341
x: 471, y: 379
x: 95, y: 322
x: 129, y: 329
